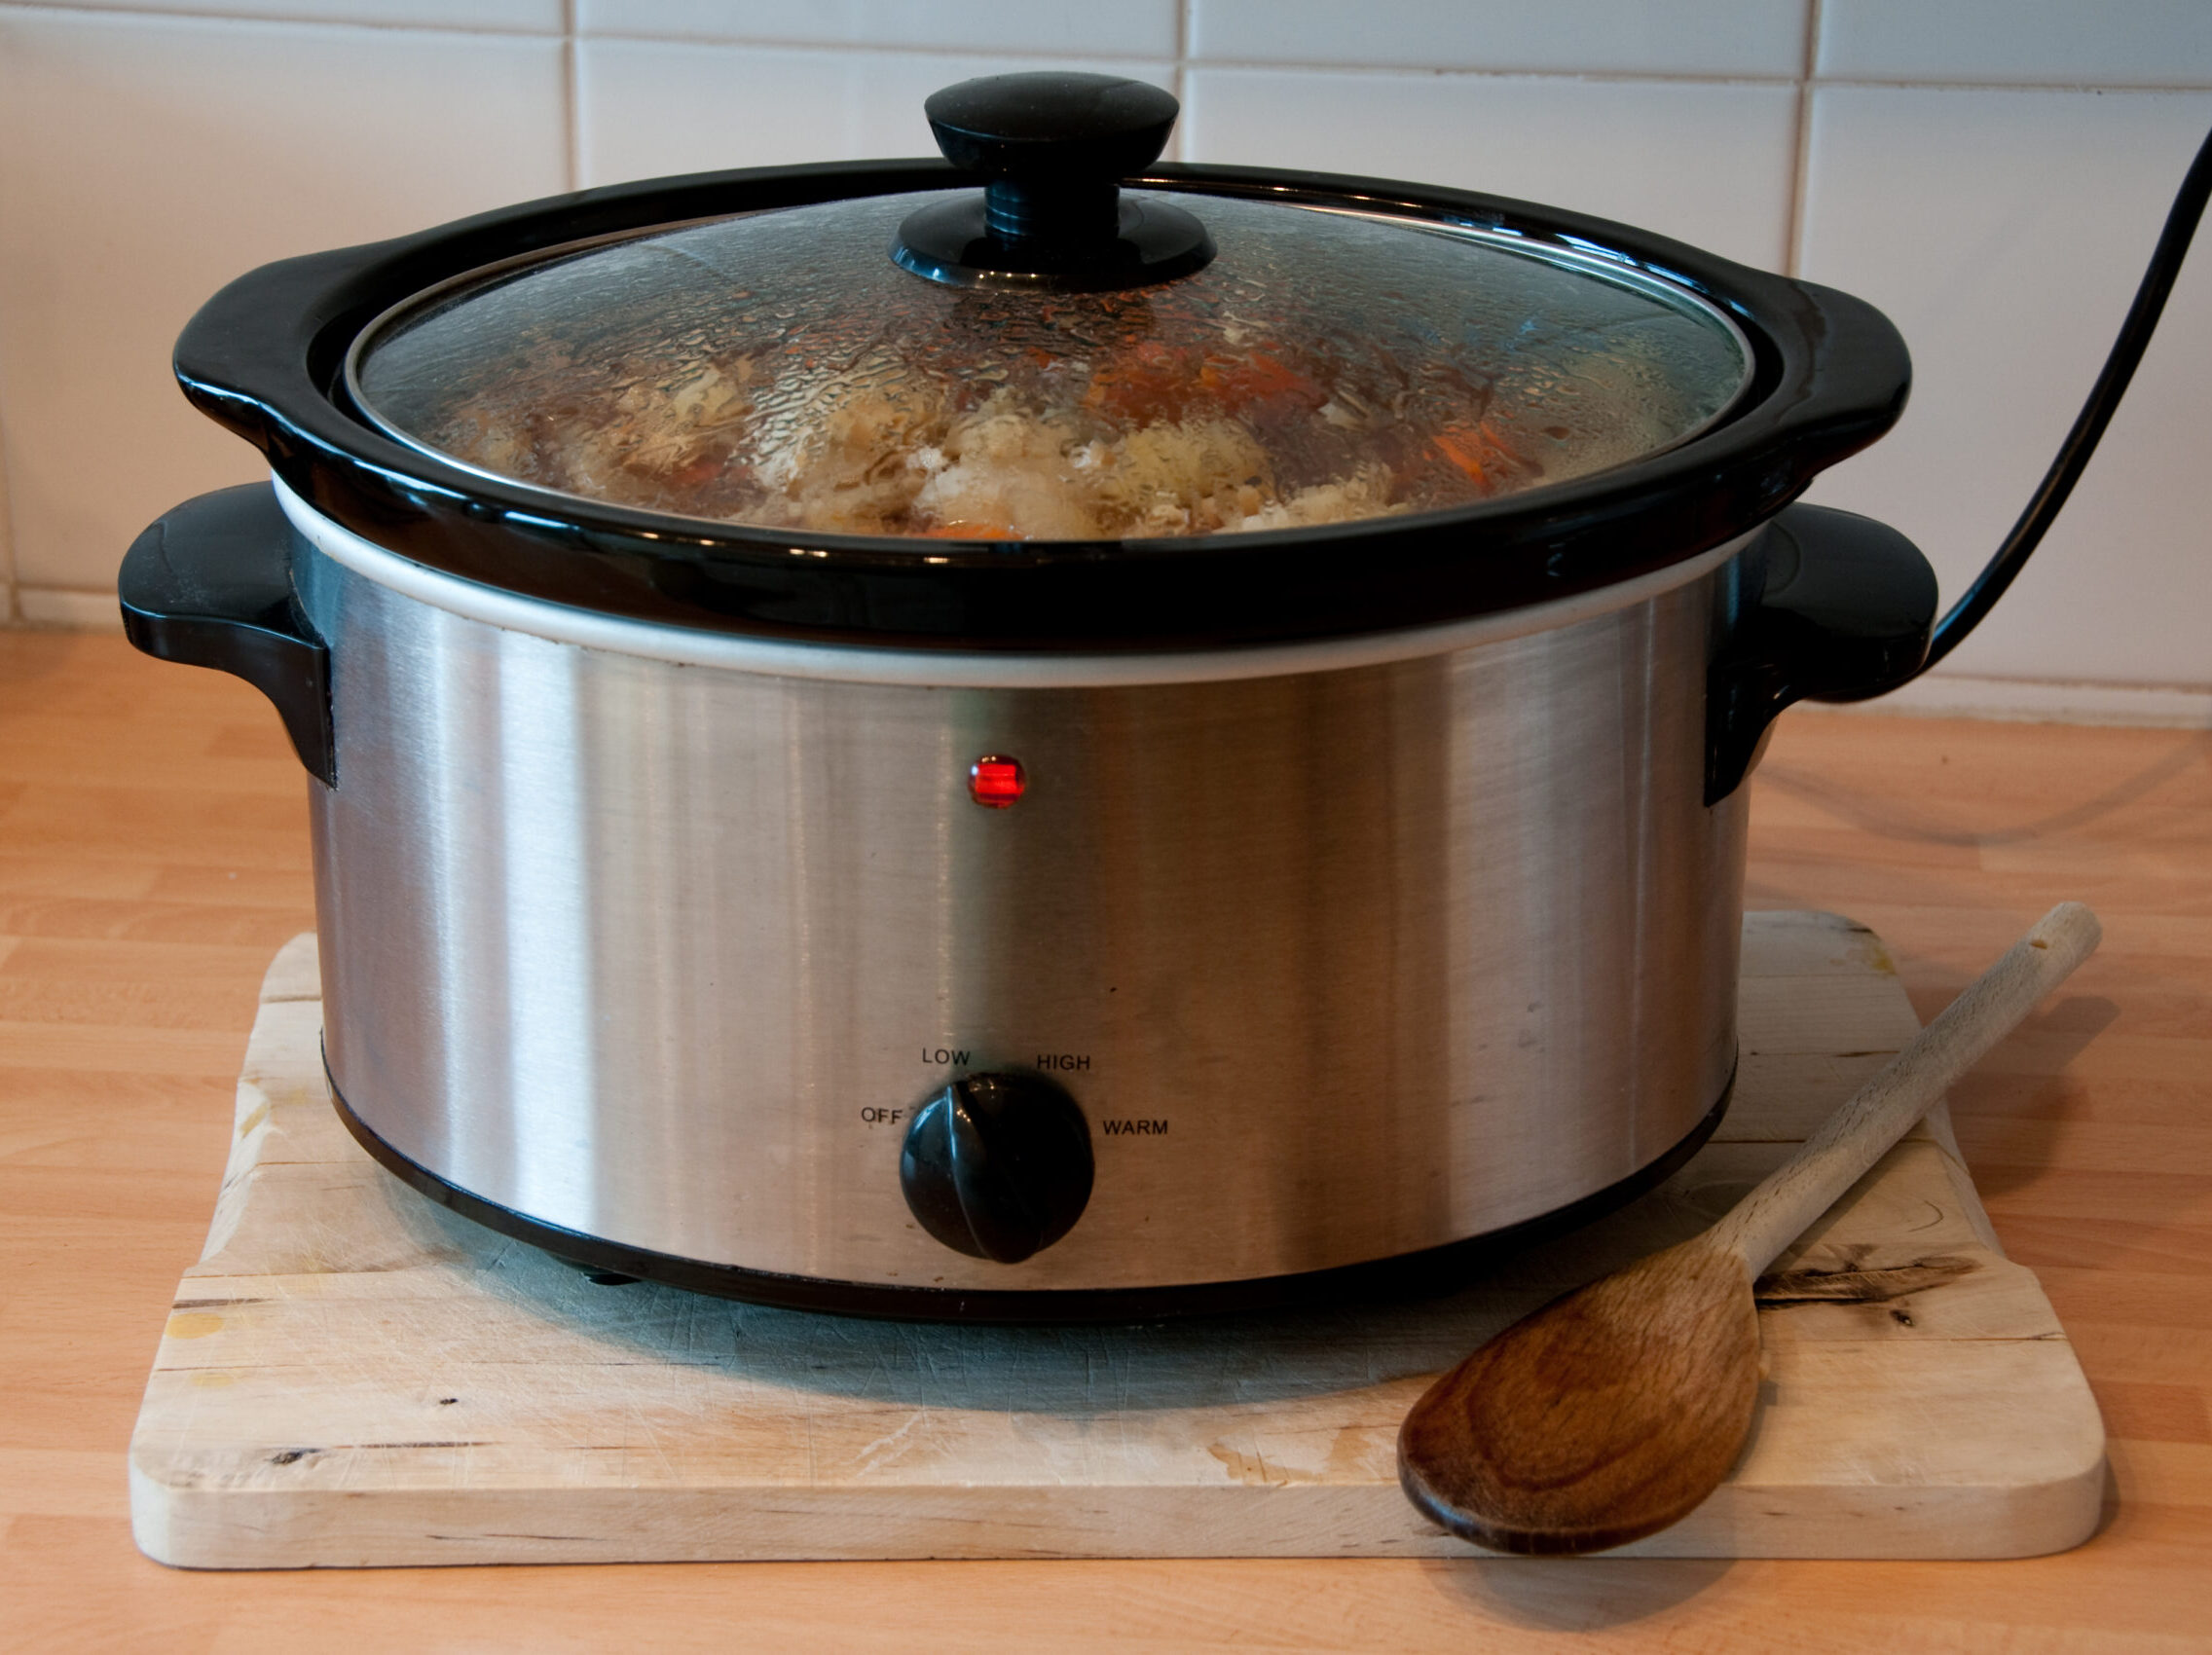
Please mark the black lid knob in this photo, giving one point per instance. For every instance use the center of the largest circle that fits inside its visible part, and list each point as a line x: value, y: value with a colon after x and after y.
x: 1052, y: 125
x: 1053, y: 148
x: 997, y: 1167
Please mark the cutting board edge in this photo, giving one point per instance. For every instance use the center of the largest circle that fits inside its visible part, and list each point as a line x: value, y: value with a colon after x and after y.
x: 214, y: 1528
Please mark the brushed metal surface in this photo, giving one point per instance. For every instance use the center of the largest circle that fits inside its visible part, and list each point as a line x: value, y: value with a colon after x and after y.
x: 1382, y: 957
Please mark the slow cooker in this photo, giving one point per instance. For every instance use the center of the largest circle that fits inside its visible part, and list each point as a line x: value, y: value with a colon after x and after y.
x: 1034, y: 735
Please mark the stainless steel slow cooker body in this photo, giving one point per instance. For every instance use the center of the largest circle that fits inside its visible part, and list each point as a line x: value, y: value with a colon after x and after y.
x: 1344, y: 952
x: 1372, y: 893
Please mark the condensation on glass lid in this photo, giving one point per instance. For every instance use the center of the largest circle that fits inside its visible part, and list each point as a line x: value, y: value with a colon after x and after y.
x: 778, y: 370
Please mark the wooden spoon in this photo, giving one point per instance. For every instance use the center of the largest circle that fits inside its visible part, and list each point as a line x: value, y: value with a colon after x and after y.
x: 1612, y: 1411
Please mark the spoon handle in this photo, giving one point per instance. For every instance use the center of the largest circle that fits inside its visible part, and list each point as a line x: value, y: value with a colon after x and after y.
x: 1794, y: 1194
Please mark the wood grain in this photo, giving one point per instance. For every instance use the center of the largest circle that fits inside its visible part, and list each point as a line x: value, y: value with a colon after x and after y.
x: 1613, y: 1413
x: 1879, y: 1112
x: 353, y: 1376
x: 1948, y: 837
x: 1666, y: 1378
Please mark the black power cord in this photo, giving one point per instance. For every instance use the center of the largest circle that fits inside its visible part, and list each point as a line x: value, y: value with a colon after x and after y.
x: 2096, y: 414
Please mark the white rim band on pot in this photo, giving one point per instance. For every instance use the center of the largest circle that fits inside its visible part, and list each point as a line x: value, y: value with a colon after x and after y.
x: 955, y: 669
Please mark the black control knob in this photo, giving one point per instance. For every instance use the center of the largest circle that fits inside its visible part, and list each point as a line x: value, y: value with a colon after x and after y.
x: 997, y: 1167
x: 1053, y: 148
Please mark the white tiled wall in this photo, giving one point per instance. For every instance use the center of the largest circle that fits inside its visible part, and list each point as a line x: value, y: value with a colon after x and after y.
x: 1710, y: 163
x: 645, y: 107
x: 1991, y: 172
x: 1571, y: 37
x: 145, y: 161
x: 1989, y: 224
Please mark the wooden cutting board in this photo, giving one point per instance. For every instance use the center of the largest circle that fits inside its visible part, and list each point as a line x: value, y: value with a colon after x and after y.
x: 353, y: 1376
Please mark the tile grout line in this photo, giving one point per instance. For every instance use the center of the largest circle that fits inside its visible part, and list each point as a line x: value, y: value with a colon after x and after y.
x: 216, y: 14
x: 1658, y: 77
x: 1181, y: 150
x: 856, y: 48
x: 1182, y: 63
x: 9, y: 615
x: 571, y: 112
x: 1801, y: 162
x: 6, y: 548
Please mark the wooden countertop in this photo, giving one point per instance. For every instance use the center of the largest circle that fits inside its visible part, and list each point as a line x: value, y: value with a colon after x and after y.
x: 153, y: 854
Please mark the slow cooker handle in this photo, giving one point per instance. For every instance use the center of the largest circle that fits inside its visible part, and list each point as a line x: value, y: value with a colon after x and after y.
x: 209, y: 583
x: 1842, y: 612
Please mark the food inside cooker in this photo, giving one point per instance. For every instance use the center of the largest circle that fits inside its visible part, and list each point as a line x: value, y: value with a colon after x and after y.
x: 1150, y: 441
x: 779, y: 370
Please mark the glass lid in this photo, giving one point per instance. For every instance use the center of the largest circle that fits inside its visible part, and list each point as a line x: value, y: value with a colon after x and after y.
x: 1046, y: 362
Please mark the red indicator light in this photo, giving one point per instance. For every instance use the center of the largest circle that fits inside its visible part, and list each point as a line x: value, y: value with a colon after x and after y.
x: 995, y: 782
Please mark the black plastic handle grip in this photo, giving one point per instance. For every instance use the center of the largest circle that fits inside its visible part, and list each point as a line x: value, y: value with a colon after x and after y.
x: 1842, y: 612
x: 209, y: 583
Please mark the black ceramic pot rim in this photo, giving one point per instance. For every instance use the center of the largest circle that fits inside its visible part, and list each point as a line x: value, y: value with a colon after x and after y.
x: 265, y: 357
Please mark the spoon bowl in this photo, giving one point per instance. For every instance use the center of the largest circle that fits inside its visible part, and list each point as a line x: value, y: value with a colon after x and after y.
x: 1614, y: 1410
x: 1604, y: 1417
